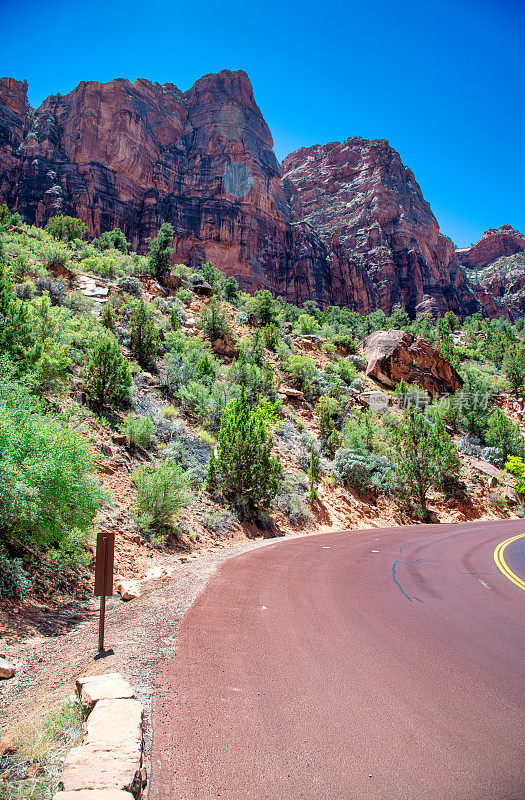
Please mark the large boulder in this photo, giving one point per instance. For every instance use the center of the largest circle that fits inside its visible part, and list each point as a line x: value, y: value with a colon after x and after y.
x: 394, y: 356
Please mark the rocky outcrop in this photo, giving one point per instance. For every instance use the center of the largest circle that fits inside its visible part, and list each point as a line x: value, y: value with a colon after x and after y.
x: 394, y: 356
x: 346, y: 224
x: 496, y: 268
x: 137, y: 154
x: 496, y: 242
x: 382, y: 237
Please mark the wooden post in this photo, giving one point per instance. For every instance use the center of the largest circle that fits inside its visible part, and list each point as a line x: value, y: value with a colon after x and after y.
x: 105, y: 557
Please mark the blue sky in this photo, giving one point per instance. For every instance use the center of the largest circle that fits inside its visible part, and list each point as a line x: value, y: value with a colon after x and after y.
x: 442, y: 80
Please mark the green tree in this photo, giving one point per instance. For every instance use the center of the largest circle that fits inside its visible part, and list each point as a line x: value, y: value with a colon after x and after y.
x: 326, y: 412
x: 8, y: 220
x: 245, y: 471
x: 230, y: 290
x: 266, y: 309
x: 424, y: 456
x: 514, y: 366
x: 502, y: 433
x: 15, y: 328
x: 66, y: 229
x: 213, y: 321
x: 144, y: 334
x: 315, y: 473
x: 108, y: 317
x: 113, y: 239
x: 160, y: 250
x: 107, y: 377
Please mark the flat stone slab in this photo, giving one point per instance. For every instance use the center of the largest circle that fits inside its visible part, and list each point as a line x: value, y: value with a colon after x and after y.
x: 103, y: 766
x: 109, y: 687
x: 115, y: 722
x: 94, y: 794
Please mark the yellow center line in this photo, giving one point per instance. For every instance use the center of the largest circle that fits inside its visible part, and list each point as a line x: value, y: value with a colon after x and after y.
x: 502, y: 564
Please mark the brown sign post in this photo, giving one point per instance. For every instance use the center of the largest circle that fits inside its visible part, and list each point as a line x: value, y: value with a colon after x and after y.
x: 105, y: 557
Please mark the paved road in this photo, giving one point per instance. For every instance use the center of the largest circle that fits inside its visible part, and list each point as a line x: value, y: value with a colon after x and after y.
x: 366, y: 664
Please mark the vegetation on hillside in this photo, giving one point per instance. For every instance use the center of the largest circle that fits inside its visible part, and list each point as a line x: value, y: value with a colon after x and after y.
x: 67, y: 360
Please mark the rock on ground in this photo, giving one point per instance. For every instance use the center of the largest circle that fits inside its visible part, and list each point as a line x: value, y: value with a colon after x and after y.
x: 393, y: 356
x: 7, y: 670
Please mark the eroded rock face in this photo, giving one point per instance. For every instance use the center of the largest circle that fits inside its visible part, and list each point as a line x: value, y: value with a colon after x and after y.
x: 346, y: 225
x: 497, y: 242
x: 394, y: 356
x: 496, y: 268
x: 137, y: 154
x: 383, y: 239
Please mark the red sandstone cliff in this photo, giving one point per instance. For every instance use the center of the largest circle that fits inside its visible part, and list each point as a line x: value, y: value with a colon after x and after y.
x: 496, y: 268
x: 496, y: 242
x: 347, y: 224
x: 370, y: 212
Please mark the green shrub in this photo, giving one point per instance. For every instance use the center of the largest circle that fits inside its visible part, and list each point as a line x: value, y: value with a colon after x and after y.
x: 107, y: 377
x: 161, y: 494
x: 131, y: 285
x: 8, y: 220
x: 66, y: 229
x: 184, y: 295
x: 361, y: 470
x: 352, y: 469
x: 346, y: 371
x: 108, y: 317
x: 503, y: 434
x: 14, y: 580
x: 140, y: 431
x: 301, y: 370
x: 15, y: 328
x: 212, y: 275
x: 306, y: 325
x: 144, y: 334
x: 46, y: 489
x: 214, y: 322
x: 326, y: 412
x: 257, y: 382
x: 516, y: 466
x: 113, y: 239
x: 265, y: 308
x: 244, y: 470
x: 271, y: 337
x: 160, y: 250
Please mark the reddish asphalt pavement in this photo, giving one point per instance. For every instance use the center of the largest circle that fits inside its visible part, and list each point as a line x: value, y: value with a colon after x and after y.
x: 309, y: 664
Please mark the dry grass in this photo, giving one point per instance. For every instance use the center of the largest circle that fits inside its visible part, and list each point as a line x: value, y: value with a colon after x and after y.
x: 30, y: 769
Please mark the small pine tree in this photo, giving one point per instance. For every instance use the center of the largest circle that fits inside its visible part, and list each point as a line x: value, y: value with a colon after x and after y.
x: 160, y: 250
x: 174, y: 320
x: 326, y: 412
x: 230, y: 290
x: 315, y: 473
x: 246, y: 473
x: 144, y: 334
x: 424, y: 456
x: 108, y: 317
x: 213, y: 321
x: 514, y: 366
x: 107, y: 377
